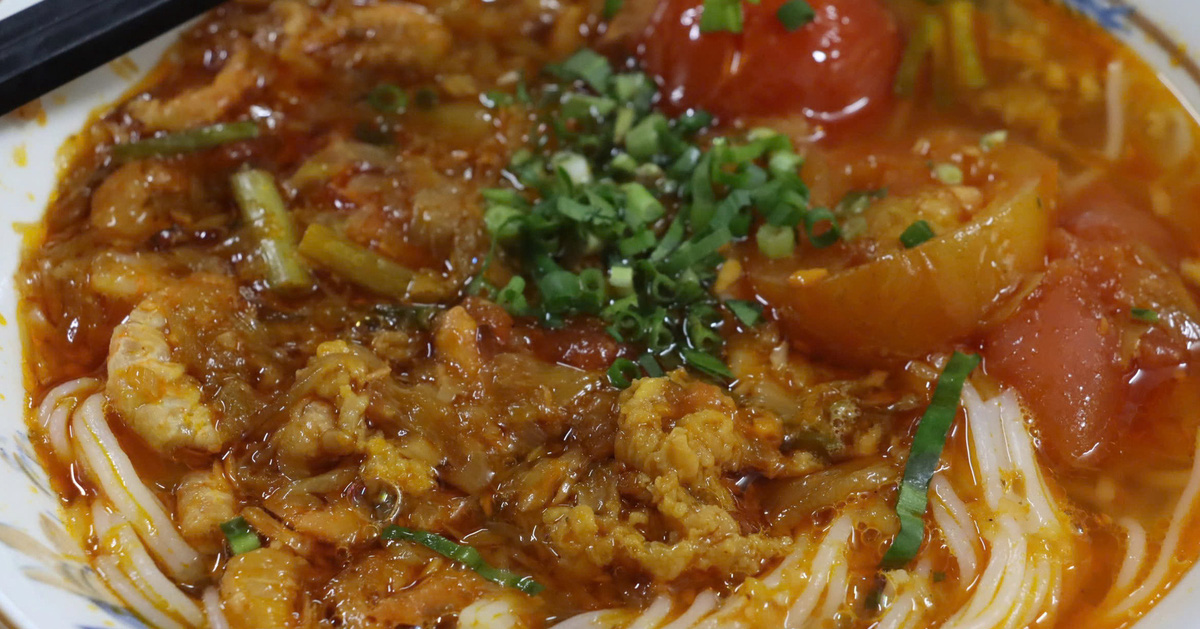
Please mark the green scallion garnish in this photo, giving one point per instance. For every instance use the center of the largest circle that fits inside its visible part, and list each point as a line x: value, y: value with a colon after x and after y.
x: 629, y: 216
x: 721, y: 15
x: 947, y: 173
x: 1144, y: 314
x: 915, y: 234
x: 923, y: 458
x: 388, y: 99
x: 464, y: 555
x: 707, y: 363
x: 623, y: 372
x: 241, y: 538
x: 749, y: 313
x: 795, y: 14
x: 612, y: 7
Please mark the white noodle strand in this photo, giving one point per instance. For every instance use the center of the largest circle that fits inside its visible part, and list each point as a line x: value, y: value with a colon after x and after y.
x: 654, y: 615
x: 1166, y: 556
x: 213, y: 610
x: 107, y: 566
x: 1135, y: 555
x: 119, y: 539
x: 953, y: 520
x: 114, y: 473
x: 54, y: 414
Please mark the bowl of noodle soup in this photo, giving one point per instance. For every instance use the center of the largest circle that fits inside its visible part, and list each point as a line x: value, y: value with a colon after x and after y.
x: 255, y: 373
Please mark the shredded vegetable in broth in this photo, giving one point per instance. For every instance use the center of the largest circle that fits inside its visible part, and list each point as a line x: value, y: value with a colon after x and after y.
x: 630, y: 314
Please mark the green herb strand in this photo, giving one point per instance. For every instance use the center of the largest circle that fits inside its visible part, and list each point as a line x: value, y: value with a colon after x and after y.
x: 465, y: 555
x: 923, y: 459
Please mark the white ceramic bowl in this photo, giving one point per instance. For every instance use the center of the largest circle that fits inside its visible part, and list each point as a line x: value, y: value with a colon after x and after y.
x: 45, y: 582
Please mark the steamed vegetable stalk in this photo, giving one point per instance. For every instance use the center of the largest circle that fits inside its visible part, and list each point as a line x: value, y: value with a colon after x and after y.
x: 262, y: 208
x: 188, y: 141
x: 355, y: 262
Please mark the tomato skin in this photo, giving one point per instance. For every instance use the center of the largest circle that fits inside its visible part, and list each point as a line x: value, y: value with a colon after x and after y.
x: 836, y: 68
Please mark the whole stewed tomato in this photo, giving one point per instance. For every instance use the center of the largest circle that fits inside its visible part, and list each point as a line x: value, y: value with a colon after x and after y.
x: 835, y: 68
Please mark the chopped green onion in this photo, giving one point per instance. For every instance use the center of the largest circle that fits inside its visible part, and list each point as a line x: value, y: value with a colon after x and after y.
x: 826, y: 238
x: 643, y: 141
x: 1144, y: 314
x: 641, y: 207
x: 915, y: 234
x: 947, y: 173
x: 795, y: 14
x: 776, y: 241
x: 993, y: 140
x: 241, y: 538
x: 388, y: 99
x: 706, y: 363
x: 464, y: 555
x: 621, y: 277
x: 187, y: 141
x: 586, y: 65
x: 650, y: 366
x: 512, y: 296
x: 721, y: 15
x: 612, y: 7
x: 623, y: 372
x: 748, y: 312
x: 574, y: 165
x: 923, y: 458
x: 355, y: 262
x: 263, y: 210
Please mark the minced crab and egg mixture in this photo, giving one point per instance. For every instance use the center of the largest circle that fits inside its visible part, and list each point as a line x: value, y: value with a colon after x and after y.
x: 524, y: 313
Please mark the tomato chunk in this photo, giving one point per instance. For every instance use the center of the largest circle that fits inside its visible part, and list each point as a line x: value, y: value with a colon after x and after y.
x: 1062, y: 353
x: 835, y: 68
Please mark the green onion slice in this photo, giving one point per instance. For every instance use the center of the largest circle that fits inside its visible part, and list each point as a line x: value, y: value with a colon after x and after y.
x: 923, y: 459
x: 1144, y: 314
x: 586, y: 65
x: 915, y: 234
x: 388, y: 99
x: 187, y: 141
x: 465, y: 555
x: 795, y: 14
x: 749, y: 313
x: 707, y: 363
x: 241, y: 538
x: 721, y: 15
x: 623, y: 372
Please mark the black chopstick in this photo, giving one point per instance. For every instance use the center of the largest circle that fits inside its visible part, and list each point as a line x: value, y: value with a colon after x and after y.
x: 55, y: 41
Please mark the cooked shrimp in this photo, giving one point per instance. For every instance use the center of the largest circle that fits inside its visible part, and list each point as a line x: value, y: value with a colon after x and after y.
x: 261, y: 589
x: 391, y: 35
x: 155, y: 395
x: 203, y: 500
x: 133, y: 202
x: 201, y: 105
x: 326, y: 421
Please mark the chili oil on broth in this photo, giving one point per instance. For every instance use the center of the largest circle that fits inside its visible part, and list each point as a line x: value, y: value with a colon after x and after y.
x: 492, y: 431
